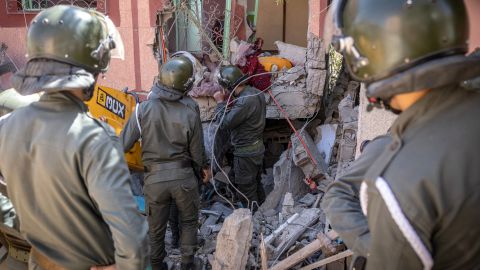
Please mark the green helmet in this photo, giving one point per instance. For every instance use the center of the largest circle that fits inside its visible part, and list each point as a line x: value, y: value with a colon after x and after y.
x: 380, y: 38
x: 73, y: 35
x: 230, y: 76
x: 177, y: 74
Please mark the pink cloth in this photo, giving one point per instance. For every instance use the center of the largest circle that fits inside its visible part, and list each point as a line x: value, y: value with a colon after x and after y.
x: 205, y: 89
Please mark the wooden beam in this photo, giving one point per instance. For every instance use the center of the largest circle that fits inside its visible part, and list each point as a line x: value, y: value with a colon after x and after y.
x: 328, y: 260
x: 306, y: 252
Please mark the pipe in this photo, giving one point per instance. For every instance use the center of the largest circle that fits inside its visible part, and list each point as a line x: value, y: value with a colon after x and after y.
x: 226, y: 29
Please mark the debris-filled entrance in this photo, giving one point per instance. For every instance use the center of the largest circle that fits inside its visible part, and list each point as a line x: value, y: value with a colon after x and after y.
x: 310, y: 135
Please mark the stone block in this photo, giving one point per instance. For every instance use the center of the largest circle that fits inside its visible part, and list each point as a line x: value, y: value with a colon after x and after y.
x: 301, y: 157
x: 233, y: 241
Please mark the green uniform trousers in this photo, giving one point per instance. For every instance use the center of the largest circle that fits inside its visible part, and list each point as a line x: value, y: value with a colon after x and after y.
x: 158, y: 198
x: 246, y: 174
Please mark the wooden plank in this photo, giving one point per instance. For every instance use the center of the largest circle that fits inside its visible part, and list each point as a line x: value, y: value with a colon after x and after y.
x: 305, y: 252
x: 328, y: 260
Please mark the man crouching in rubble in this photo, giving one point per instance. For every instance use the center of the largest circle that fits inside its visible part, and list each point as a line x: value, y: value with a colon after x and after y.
x: 65, y: 171
x: 420, y: 195
x: 245, y: 121
x: 170, y: 129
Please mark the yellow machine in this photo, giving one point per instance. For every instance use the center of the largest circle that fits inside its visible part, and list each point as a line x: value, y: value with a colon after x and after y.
x: 115, y: 107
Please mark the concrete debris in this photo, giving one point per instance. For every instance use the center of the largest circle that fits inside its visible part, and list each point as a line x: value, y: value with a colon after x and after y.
x: 316, y: 65
x: 296, y: 54
x: 233, y: 241
x: 292, y: 76
x: 293, y: 229
x: 347, y: 111
x: 287, y: 205
x: 295, y: 100
x: 312, y: 169
x: 308, y: 200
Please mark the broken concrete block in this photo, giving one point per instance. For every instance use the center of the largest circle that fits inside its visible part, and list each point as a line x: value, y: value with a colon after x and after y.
x: 316, y: 65
x: 291, y: 76
x: 295, y: 54
x: 288, y: 233
x: 325, y: 140
x: 233, y: 241
x: 315, y: 52
x: 348, y: 142
x: 316, y: 81
x: 346, y: 110
x: 302, y: 158
x: 308, y: 200
x: 206, y: 228
x: 287, y: 204
x: 294, y: 99
x: 287, y: 178
x: 221, y: 208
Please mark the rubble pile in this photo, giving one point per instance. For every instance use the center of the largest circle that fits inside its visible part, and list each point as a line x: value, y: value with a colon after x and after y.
x: 290, y: 219
x: 289, y: 230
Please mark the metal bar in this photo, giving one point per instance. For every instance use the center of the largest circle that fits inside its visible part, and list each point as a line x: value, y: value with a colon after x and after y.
x: 175, y: 3
x: 226, y: 29
x: 207, y: 38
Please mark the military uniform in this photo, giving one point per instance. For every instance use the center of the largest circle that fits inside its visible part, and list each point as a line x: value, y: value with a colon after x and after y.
x: 419, y: 195
x: 172, y: 149
x: 341, y: 202
x: 246, y: 122
x: 68, y: 180
x: 428, y: 171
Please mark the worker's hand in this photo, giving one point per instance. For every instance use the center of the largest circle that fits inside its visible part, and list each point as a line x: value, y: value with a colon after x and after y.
x: 110, y: 267
x: 220, y: 96
x: 207, y: 174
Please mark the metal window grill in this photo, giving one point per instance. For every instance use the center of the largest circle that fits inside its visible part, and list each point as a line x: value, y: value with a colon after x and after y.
x: 198, y: 26
x: 35, y: 6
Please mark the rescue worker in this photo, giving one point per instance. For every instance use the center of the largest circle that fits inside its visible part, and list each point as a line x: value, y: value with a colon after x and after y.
x: 245, y: 121
x: 421, y: 195
x: 341, y: 202
x: 171, y: 133
x: 65, y: 171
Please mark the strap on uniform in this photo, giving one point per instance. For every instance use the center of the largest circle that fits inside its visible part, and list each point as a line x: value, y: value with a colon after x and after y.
x: 138, y: 122
x: 44, y: 262
x: 178, y: 164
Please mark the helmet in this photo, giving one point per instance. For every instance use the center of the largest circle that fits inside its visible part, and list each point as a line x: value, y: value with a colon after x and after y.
x: 230, y: 76
x: 177, y: 74
x: 75, y: 36
x: 380, y: 38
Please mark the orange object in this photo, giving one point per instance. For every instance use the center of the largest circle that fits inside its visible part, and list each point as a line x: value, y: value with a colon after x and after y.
x: 274, y: 63
x: 114, y: 107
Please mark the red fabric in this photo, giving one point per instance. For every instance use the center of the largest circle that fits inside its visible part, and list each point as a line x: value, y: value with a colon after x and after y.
x: 253, y: 66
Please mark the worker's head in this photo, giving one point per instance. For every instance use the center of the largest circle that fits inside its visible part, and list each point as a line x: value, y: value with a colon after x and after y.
x: 177, y: 74
x: 382, y: 39
x: 230, y: 76
x: 67, y: 47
